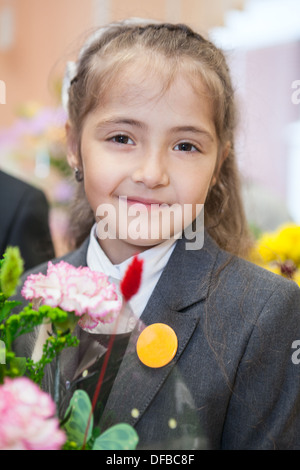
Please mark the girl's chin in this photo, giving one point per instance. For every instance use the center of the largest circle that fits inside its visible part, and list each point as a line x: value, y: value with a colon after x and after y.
x: 148, y: 243
x: 131, y: 245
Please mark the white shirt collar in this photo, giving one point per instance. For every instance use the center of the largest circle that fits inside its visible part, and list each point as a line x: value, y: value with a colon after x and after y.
x: 155, y: 259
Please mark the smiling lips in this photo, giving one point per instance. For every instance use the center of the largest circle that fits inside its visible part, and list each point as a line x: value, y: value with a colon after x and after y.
x: 144, y: 201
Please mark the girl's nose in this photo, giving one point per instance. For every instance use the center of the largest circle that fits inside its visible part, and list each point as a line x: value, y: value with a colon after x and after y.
x: 151, y: 171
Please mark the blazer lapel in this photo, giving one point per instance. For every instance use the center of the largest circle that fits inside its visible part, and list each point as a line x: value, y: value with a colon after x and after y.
x: 184, y: 282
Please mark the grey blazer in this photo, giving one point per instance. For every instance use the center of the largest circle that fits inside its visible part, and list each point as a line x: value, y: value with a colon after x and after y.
x: 232, y: 383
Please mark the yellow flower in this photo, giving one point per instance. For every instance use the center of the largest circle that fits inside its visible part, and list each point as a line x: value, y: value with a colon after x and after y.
x: 281, y: 245
x: 274, y: 268
x: 266, y: 248
x: 297, y: 277
x: 288, y: 243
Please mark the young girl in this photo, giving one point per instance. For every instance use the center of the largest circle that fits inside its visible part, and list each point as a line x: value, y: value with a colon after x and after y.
x: 151, y: 123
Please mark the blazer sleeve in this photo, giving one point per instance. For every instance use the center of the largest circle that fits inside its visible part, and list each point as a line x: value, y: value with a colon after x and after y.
x: 30, y: 229
x: 264, y: 410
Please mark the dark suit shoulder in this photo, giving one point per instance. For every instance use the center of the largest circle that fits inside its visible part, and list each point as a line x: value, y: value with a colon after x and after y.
x: 12, y: 192
x: 10, y: 180
x: 76, y: 258
x: 17, y: 188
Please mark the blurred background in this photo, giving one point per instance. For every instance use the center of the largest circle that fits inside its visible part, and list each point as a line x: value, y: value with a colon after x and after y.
x: 261, y: 39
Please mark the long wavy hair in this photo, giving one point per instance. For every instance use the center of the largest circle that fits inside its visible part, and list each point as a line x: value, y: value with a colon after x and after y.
x: 167, y: 49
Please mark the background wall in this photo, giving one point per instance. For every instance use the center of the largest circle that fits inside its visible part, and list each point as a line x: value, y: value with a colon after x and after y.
x: 37, y: 36
x: 261, y: 39
x: 42, y: 33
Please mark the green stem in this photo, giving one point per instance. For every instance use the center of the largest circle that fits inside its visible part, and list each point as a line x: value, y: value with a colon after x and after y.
x: 57, y: 383
x: 56, y: 376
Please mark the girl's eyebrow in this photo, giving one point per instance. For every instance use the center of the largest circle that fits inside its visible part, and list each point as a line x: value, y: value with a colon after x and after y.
x: 130, y: 122
x: 195, y: 130
x: 142, y: 125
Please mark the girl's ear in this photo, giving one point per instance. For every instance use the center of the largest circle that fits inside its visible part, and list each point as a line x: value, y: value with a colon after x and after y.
x: 72, y: 148
x: 220, y: 162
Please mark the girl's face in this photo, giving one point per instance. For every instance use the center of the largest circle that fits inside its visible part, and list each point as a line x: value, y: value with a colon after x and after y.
x: 141, y: 149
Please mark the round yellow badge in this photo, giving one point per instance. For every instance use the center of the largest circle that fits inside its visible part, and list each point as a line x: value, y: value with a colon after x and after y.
x: 157, y: 345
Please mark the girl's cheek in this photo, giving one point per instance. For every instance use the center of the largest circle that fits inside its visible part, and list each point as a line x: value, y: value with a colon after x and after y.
x: 197, y: 193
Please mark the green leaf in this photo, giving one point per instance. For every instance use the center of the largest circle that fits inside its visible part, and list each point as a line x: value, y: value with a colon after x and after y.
x: 119, y: 437
x: 6, y: 308
x: 80, y: 407
x: 2, y: 373
x: 18, y: 366
x: 11, y: 269
x: 53, y: 346
x: 2, y: 352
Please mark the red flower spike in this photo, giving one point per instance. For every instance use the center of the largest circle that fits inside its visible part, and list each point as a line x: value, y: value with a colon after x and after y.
x: 131, y: 281
x: 129, y: 286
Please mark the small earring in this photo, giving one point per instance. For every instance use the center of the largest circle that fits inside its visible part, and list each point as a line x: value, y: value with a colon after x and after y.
x: 78, y: 175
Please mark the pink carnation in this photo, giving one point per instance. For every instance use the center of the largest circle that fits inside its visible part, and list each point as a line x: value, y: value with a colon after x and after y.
x: 87, y: 293
x: 27, y: 419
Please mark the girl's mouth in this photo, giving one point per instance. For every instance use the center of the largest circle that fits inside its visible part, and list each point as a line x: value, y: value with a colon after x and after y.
x: 148, y: 203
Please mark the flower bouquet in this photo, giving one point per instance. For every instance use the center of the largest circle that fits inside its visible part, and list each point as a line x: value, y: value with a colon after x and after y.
x: 61, y: 299
x: 279, y: 251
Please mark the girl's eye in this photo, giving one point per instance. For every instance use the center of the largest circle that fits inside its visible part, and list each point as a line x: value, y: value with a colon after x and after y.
x: 186, y: 147
x: 122, y: 139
